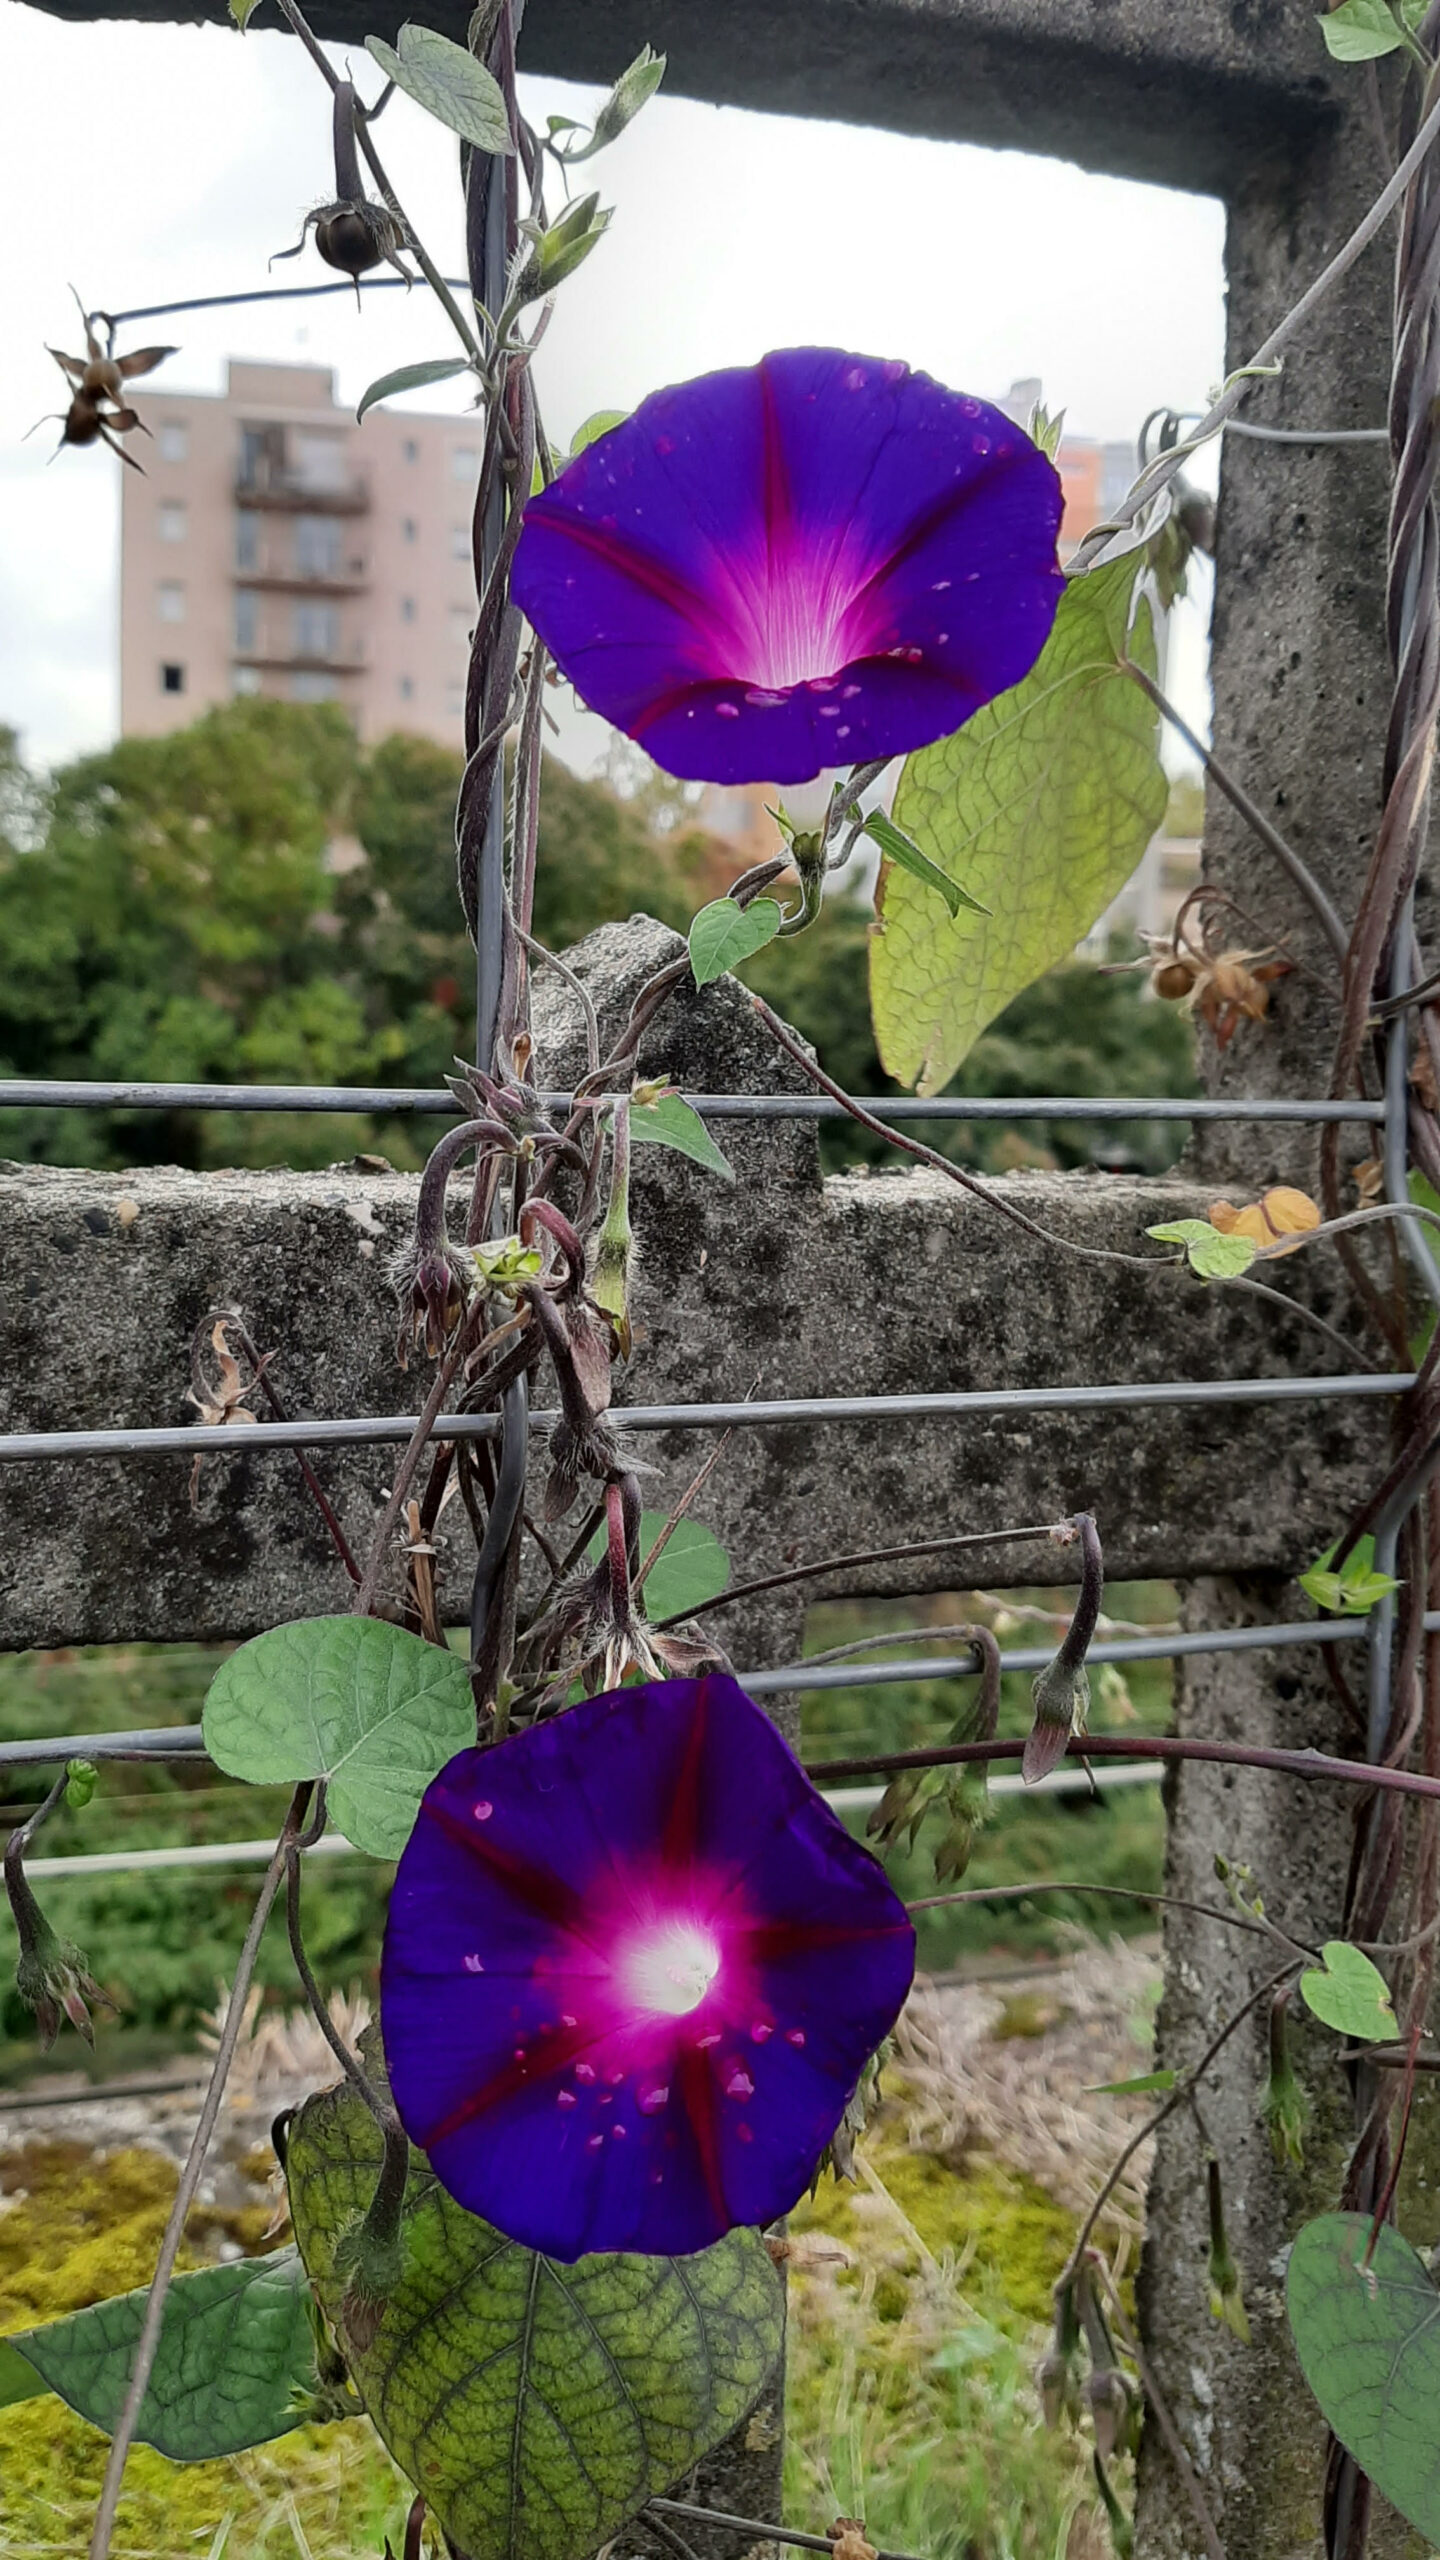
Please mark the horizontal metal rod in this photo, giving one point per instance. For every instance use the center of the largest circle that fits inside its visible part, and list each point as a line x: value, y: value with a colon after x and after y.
x: 39, y: 1092
x: 258, y: 1853
x: 182, y: 1440
x: 187, y: 1742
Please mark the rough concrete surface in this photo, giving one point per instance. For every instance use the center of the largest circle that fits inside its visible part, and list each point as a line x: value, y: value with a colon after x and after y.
x: 867, y: 1285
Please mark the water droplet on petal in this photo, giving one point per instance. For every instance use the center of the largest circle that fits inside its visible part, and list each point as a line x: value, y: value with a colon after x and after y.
x: 940, y: 586
x: 519, y: 2053
x: 617, y: 2133
x: 703, y: 2043
x: 473, y: 1965
x: 727, y: 710
x: 595, y: 2141
x: 566, y: 2098
x: 739, y: 2084
x: 853, y: 379
x: 650, y: 2101
x: 763, y: 700
x: 584, y: 2070
x: 744, y: 2133
x: 940, y: 639
x: 604, y: 2097
x: 484, y: 1809
x: 565, y: 2018
x: 762, y: 2031
x: 795, y: 2035
x: 844, y: 730
x: 848, y: 692
x: 614, y: 2078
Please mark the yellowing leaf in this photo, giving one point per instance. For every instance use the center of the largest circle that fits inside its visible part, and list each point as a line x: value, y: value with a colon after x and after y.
x: 1282, y: 1212
x: 1041, y: 807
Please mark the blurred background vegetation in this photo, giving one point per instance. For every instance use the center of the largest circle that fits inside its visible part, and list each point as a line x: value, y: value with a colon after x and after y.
x: 257, y: 900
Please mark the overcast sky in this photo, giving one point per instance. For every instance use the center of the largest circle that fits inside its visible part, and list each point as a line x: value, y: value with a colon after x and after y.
x: 146, y: 162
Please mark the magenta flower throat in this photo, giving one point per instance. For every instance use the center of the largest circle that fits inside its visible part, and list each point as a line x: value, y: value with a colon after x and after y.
x: 633, y: 1969
x: 806, y: 563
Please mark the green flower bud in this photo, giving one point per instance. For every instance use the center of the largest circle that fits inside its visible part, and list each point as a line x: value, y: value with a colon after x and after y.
x: 81, y: 1777
x: 1227, y: 2303
x: 633, y: 90
x: 1284, y: 2106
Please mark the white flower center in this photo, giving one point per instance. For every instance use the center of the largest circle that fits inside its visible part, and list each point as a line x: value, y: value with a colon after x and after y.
x: 670, y: 1970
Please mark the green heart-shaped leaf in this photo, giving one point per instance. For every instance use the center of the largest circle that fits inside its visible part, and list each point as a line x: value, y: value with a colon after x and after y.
x: 670, y: 1122
x: 1350, y: 1995
x: 1363, y: 30
x: 449, y: 83
x: 1355, y: 1589
x: 1368, y: 2340
x: 1211, y: 1253
x: 723, y: 935
x: 237, y: 2347
x: 536, y: 2406
x: 365, y: 1706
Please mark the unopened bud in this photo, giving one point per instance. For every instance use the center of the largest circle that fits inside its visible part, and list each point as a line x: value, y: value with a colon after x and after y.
x: 633, y: 90
x: 1108, y: 2400
x: 1227, y: 2303
x: 1053, y: 2381
x: 1061, y: 1695
x: 81, y: 1777
x: 1284, y: 2106
x: 53, y: 1978
x: 614, y: 1246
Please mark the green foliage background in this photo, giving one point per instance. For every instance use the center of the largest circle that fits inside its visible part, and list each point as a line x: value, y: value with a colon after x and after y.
x: 169, y: 910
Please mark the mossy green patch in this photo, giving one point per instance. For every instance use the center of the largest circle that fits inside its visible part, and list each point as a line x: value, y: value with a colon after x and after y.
x: 76, y: 2228
x: 1012, y: 2237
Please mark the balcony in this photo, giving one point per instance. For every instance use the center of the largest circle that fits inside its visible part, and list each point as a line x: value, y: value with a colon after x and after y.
x: 286, y: 493
x: 309, y: 661
x: 294, y: 582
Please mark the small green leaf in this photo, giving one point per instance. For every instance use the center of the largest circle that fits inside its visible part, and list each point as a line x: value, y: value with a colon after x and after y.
x: 1355, y: 1589
x: 540, y: 2404
x: 692, y: 1568
x: 1042, y: 805
x: 364, y: 1705
x: 898, y: 847
x: 237, y: 2344
x: 1365, y: 2317
x: 1363, y: 30
x: 598, y: 424
x: 449, y: 83
x: 671, y: 1122
x: 1213, y: 1255
x: 412, y: 377
x: 18, y: 2378
x: 1145, y: 2084
x: 1350, y: 1995
x: 723, y: 935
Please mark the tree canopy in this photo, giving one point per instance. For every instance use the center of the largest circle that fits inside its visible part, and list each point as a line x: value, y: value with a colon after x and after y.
x: 256, y: 899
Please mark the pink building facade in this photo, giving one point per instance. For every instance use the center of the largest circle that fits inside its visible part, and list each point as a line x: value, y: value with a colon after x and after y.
x: 273, y: 546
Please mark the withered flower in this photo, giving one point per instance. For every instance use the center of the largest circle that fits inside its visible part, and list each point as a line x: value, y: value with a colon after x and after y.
x: 98, y: 410
x: 353, y: 233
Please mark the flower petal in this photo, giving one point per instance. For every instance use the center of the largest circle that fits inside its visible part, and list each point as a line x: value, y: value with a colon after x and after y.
x: 810, y: 562
x: 633, y: 1968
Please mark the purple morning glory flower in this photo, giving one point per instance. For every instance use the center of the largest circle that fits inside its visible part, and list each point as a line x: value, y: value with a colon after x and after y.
x: 633, y: 1969
x: 805, y: 563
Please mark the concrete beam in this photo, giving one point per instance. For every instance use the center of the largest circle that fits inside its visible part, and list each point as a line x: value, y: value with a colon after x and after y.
x: 868, y: 1285
x: 1207, y: 96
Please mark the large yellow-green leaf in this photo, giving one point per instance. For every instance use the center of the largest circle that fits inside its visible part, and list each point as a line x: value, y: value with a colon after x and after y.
x: 1040, y: 807
x: 537, y: 2406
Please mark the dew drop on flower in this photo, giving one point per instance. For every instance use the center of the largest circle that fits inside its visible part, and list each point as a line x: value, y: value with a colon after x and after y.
x: 795, y: 2036
x: 584, y: 2070
x: 739, y: 2084
x: 483, y: 1810
x: 566, y: 2098
x: 743, y: 2133
x: 761, y: 2032
x: 595, y: 2142
x: 473, y: 1965
x: 650, y: 2101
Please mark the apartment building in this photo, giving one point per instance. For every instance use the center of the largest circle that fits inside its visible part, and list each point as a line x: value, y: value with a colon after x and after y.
x: 273, y: 546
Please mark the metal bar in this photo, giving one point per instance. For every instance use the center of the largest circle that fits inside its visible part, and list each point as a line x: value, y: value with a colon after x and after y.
x: 186, y: 1741
x: 41, y: 1092
x: 19, y: 1447
x: 257, y: 1853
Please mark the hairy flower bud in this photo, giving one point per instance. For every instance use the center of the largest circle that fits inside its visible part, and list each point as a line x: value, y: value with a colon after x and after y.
x: 53, y: 1977
x: 1227, y: 2303
x: 1061, y: 1695
x: 1284, y: 2106
x: 614, y: 1246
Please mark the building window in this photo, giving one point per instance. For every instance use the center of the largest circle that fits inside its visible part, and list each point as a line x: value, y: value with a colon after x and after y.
x: 319, y: 461
x: 410, y: 449
x: 247, y: 539
x: 170, y: 601
x: 174, y: 441
x: 317, y: 547
x: 172, y: 520
x: 459, y: 542
x: 317, y: 632
x: 245, y: 621
x: 464, y: 462
x: 172, y: 678
x: 407, y: 608
x: 409, y: 529
x: 309, y: 686
x: 407, y: 688
x: 245, y: 680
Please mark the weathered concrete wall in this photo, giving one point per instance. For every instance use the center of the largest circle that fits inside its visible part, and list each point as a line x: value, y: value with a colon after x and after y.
x: 784, y: 1285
